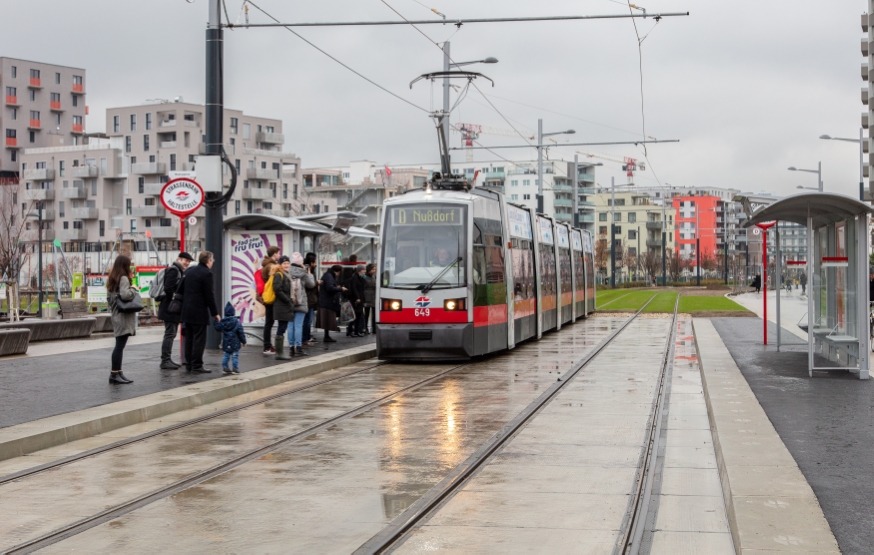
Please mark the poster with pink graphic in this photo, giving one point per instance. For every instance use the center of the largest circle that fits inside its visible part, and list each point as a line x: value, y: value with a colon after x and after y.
x: 247, y: 252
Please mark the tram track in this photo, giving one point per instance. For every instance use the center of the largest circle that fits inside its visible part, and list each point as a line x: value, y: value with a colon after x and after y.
x: 177, y: 486
x: 393, y: 535
x: 173, y: 427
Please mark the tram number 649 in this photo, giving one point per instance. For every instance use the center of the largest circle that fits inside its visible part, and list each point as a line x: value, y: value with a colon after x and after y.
x: 423, y: 312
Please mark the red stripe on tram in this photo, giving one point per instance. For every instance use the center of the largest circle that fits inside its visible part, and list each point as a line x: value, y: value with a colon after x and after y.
x: 489, y: 315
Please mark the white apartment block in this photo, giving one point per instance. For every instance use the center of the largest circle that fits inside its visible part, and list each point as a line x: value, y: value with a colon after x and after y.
x: 43, y: 105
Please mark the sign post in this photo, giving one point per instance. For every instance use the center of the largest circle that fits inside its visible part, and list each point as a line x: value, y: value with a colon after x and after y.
x: 764, y: 228
x: 182, y: 197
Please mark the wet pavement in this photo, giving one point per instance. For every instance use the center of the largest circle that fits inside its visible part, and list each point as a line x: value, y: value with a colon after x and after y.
x: 826, y: 422
x: 43, y: 385
x: 327, y: 493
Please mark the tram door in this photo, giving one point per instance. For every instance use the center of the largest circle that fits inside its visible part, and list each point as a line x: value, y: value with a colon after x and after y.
x: 524, y: 285
x: 489, y: 278
x: 579, y: 274
x: 565, y: 272
x: 589, y: 261
x: 548, y: 283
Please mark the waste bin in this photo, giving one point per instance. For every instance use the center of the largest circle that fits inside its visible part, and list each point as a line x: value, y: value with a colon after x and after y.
x: 50, y: 311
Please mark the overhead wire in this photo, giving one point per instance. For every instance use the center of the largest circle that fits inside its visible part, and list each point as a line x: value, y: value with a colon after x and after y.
x: 371, y: 81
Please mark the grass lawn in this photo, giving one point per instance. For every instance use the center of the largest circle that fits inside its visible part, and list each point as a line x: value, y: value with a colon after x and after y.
x: 709, y: 304
x: 604, y: 297
x: 633, y: 301
x: 664, y: 302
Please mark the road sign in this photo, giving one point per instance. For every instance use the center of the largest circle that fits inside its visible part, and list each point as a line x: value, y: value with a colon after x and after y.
x: 182, y: 196
x: 192, y: 220
x: 757, y: 231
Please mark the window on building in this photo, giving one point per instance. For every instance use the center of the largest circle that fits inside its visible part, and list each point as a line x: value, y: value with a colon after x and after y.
x: 514, y: 183
x: 617, y: 216
x: 14, y: 155
x: 62, y: 166
x: 61, y: 211
x: 32, y: 137
x: 526, y: 182
x: 66, y: 225
x: 618, y: 230
x: 150, y: 201
x: 32, y: 95
x: 34, y: 74
x: 10, y: 133
x: 526, y: 197
x: 14, y: 72
x: 514, y: 197
x: 57, y: 78
x: 602, y: 217
x: 602, y: 230
x: 235, y: 124
x: 34, y: 115
x: 141, y: 185
x: 133, y: 122
x: 247, y: 131
x: 58, y: 120
x: 77, y: 120
x: 237, y: 208
x: 632, y: 217
x: 75, y: 100
x: 77, y: 80
x: 13, y: 114
x: 78, y: 224
x: 55, y: 97
x: 148, y: 120
x: 295, y: 191
x: 172, y: 162
x: 128, y: 145
x: 93, y: 187
x: 128, y: 206
x: 145, y: 143
x: 148, y: 222
x: 102, y: 230
x: 133, y: 226
x: 632, y: 235
x: 11, y: 91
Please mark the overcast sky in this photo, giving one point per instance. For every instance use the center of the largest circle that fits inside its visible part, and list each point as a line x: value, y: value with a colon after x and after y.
x: 747, y: 86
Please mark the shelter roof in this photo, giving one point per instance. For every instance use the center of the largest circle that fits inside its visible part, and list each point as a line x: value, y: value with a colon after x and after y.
x: 269, y: 222
x: 824, y: 208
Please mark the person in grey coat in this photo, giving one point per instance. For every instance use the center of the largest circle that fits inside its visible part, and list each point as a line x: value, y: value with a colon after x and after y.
x: 124, y: 325
x: 291, y: 299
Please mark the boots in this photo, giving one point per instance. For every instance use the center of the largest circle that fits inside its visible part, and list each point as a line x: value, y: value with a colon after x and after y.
x: 119, y: 378
x: 328, y: 338
x: 299, y: 351
x: 279, y: 345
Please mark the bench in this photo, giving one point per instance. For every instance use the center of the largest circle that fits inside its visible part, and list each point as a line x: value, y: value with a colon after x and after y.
x: 104, y: 322
x: 73, y: 308
x: 50, y: 330
x: 14, y: 341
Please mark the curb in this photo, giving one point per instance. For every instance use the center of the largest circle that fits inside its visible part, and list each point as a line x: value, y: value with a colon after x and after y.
x: 770, y: 506
x: 30, y: 437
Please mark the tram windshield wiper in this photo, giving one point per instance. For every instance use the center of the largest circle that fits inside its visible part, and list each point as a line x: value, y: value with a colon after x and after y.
x: 430, y: 285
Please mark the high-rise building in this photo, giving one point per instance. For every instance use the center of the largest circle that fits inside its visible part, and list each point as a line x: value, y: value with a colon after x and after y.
x: 43, y: 105
x: 868, y: 77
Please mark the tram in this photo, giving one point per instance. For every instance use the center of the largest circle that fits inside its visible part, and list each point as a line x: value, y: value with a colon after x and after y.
x: 464, y: 273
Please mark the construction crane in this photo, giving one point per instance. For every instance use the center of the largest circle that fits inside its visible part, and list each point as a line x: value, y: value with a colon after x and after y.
x: 630, y: 165
x: 471, y: 132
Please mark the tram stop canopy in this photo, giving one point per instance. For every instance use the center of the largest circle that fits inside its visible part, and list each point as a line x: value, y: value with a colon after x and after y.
x: 837, y: 321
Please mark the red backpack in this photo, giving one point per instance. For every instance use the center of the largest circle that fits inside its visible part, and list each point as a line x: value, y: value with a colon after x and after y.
x: 259, y: 282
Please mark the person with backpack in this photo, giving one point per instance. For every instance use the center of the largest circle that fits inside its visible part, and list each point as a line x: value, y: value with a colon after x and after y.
x: 311, y: 264
x: 299, y: 281
x: 262, y: 275
x: 162, y: 290
x: 233, y: 339
x: 355, y: 295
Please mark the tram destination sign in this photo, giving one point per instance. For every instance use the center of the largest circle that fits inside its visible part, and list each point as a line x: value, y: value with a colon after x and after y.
x: 182, y: 196
x: 437, y: 215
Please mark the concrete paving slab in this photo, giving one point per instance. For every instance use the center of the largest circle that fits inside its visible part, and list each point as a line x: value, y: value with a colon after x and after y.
x: 691, y: 543
x: 691, y: 513
x: 690, y: 457
x: 476, y: 540
x: 537, y: 478
x: 679, y: 480
x: 756, y: 522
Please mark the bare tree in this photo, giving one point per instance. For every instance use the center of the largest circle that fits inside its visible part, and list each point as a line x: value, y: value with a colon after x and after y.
x: 15, y: 206
x: 630, y: 259
x: 602, y: 253
x: 652, y: 263
x: 674, y: 264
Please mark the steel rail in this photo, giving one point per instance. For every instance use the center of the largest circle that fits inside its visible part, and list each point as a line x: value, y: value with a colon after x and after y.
x: 459, y: 22
x: 398, y: 530
x: 194, y: 479
x: 173, y: 427
x: 635, y: 522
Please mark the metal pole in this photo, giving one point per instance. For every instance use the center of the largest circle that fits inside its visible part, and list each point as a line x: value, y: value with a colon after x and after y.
x: 612, y: 232
x: 57, y: 273
x: 725, y: 244
x: 214, y: 141
x: 819, y: 175
x: 861, y: 166
x: 765, y: 282
x: 664, y: 244
x: 540, y: 165
x: 697, y: 245
x: 778, y: 278
x: 446, y: 62
x: 39, y: 258
x: 576, y: 190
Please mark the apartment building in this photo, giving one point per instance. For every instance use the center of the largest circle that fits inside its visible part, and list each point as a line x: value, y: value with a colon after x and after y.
x: 43, y: 105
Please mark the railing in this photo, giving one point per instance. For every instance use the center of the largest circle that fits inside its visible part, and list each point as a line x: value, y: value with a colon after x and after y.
x: 12, y: 100
x: 35, y: 83
x: 39, y: 174
x: 270, y: 138
x: 12, y: 142
x: 85, y: 171
x: 78, y: 88
x: 55, y: 105
x: 149, y: 168
x: 153, y: 211
x: 74, y: 193
x: 35, y: 124
x: 84, y: 213
x: 78, y: 128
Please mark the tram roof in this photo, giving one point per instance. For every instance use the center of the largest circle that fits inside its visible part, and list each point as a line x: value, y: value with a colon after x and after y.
x: 824, y: 208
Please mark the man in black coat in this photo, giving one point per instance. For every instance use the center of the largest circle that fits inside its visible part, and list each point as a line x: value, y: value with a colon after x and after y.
x: 172, y: 277
x: 198, y: 308
x: 355, y: 295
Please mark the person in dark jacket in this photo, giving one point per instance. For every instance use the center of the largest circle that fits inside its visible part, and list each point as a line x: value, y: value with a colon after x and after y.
x: 370, y: 299
x: 757, y: 283
x: 311, y: 265
x: 172, y: 277
x: 803, y: 281
x: 355, y: 295
x: 270, y: 261
x: 198, y: 307
x: 283, y: 311
x: 233, y: 339
x: 329, y: 301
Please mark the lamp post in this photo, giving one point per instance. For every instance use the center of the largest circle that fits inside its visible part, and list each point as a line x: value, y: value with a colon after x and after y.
x: 447, y: 66
x: 817, y: 171
x: 861, y: 141
x: 540, y: 137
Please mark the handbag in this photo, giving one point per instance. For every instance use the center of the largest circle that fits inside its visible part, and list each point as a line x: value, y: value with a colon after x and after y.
x: 347, y: 313
x: 133, y: 305
x: 175, y: 306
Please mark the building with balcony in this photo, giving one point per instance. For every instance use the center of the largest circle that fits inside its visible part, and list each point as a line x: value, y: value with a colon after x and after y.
x: 43, y: 106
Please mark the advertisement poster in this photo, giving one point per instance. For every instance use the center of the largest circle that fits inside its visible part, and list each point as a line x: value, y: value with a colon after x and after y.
x: 96, y: 287
x: 247, y: 252
x: 144, y: 277
x: 520, y: 222
x: 78, y: 281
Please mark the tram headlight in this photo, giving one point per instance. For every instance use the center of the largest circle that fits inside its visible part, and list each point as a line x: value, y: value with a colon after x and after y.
x: 451, y: 305
x: 392, y: 305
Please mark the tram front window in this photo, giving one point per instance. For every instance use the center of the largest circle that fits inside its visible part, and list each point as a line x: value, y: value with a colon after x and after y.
x: 425, y: 245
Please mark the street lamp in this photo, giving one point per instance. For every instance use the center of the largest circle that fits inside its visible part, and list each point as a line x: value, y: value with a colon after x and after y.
x: 540, y: 136
x: 38, y: 214
x: 817, y: 171
x: 447, y: 66
x: 861, y: 141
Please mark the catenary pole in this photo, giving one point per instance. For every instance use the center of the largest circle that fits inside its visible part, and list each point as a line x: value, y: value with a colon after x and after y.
x: 576, y: 190
x: 213, y: 147
x: 664, y: 244
x: 446, y: 61
x: 612, y: 232
x: 540, y: 203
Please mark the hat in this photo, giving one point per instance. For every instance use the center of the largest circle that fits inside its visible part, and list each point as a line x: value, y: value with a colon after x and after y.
x: 186, y: 256
x: 359, y: 268
x: 283, y: 259
x: 297, y: 258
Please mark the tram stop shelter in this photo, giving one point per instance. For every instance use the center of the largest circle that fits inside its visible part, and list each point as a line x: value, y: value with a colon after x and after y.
x: 837, y: 320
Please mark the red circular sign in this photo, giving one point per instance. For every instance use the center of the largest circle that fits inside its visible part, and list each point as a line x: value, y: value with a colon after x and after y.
x: 182, y: 196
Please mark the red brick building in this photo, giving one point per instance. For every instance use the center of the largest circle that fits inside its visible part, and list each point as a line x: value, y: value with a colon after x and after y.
x: 699, y: 217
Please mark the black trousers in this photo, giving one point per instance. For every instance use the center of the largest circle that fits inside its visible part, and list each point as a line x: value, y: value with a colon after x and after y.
x: 170, y: 329
x: 195, y: 343
x: 356, y: 325
x: 268, y: 325
x: 118, y: 351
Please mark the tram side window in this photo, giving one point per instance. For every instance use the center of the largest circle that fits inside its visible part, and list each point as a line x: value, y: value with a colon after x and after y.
x: 523, y: 270
x: 547, y: 265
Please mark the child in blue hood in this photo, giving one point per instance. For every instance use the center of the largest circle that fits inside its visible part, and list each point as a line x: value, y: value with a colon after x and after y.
x: 233, y: 338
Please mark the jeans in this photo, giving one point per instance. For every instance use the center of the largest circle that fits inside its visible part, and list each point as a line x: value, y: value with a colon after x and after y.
x: 295, y: 330
x: 268, y: 326
x: 308, y: 324
x: 195, y: 343
x: 170, y: 329
x: 118, y: 351
x: 235, y: 356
